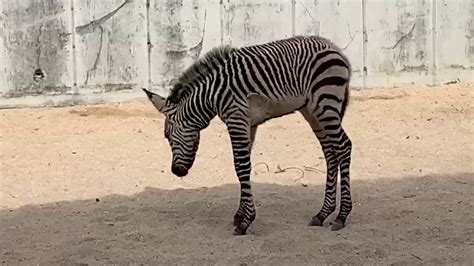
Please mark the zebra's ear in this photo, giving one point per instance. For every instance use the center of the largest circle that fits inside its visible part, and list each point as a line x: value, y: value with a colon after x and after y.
x: 158, y: 101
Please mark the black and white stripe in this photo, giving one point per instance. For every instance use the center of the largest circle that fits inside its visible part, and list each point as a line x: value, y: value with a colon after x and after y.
x: 246, y: 87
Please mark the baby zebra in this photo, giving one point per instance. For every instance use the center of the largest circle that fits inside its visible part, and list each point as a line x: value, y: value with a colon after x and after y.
x: 248, y: 86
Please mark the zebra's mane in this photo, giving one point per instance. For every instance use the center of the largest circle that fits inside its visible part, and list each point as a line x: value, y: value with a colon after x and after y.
x: 200, y: 68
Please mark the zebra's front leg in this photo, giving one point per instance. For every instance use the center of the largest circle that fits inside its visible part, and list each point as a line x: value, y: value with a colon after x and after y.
x: 239, y: 215
x: 241, y: 146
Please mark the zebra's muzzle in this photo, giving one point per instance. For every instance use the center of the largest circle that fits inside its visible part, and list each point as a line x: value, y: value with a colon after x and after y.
x: 179, y: 170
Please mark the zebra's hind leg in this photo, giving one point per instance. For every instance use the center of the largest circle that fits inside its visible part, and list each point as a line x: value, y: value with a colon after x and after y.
x: 329, y: 205
x: 344, y: 151
x: 336, y: 147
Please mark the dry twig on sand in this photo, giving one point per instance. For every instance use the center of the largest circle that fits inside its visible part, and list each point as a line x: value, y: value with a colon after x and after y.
x: 313, y: 169
x: 264, y: 163
x: 282, y: 170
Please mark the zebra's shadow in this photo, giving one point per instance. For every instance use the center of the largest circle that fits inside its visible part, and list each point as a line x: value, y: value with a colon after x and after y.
x: 403, y: 212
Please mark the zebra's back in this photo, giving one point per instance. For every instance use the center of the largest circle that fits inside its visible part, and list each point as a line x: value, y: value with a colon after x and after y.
x: 290, y: 73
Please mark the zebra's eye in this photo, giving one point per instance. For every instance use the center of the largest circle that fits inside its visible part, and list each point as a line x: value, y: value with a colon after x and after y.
x: 167, y: 129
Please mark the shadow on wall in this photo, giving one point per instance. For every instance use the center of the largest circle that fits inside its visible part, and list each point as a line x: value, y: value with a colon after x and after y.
x: 412, y: 220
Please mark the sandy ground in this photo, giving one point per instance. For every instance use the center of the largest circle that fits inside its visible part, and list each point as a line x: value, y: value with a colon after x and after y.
x: 92, y: 185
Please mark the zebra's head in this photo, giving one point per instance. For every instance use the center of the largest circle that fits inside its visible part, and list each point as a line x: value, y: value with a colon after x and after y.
x: 184, y: 141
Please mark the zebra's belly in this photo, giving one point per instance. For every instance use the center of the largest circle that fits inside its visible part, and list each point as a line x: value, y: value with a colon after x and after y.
x: 262, y: 109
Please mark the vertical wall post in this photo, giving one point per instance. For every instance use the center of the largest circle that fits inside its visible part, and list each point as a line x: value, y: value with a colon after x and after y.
x: 364, y: 44
x: 149, y: 45
x: 221, y: 19
x: 75, y: 89
x: 226, y: 37
x: 293, y: 17
x: 433, y: 40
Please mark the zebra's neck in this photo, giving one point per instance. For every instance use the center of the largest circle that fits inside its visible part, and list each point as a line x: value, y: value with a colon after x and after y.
x: 205, y: 86
x: 200, y: 106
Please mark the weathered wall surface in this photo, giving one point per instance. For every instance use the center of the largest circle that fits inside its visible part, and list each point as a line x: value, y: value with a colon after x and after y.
x: 110, y: 46
x: 58, y: 52
x: 35, y: 36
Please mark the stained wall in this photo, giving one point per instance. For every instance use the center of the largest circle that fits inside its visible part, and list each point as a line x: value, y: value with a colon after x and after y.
x: 66, y: 52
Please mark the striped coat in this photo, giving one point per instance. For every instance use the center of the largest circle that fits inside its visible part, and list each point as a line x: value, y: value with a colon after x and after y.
x: 248, y: 86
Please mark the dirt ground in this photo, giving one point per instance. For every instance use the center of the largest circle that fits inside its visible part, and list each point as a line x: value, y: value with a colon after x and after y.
x: 92, y: 185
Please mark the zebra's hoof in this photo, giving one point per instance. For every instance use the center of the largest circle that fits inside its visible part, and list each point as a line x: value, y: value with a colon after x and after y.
x: 337, y: 225
x: 241, y: 229
x: 315, y: 222
x: 238, y: 219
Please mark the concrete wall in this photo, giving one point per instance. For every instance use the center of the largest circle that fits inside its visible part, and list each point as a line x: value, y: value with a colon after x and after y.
x: 88, y: 51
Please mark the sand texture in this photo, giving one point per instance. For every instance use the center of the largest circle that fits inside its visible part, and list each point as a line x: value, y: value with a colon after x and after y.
x: 92, y: 185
